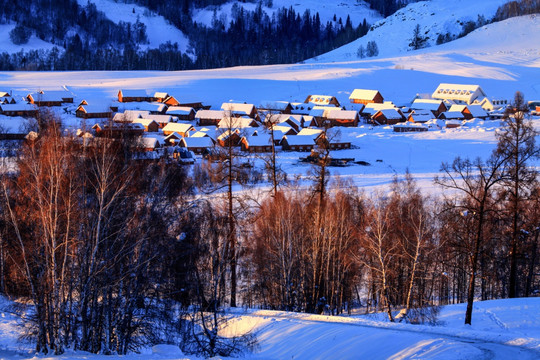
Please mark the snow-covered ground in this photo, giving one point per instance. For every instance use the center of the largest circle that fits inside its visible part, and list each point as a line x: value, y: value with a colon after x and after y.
x: 357, y: 10
x: 501, y: 329
x: 158, y: 29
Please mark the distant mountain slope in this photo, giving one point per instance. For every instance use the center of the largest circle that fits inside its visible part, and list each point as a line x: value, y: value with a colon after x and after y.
x: 393, y: 35
x: 158, y: 30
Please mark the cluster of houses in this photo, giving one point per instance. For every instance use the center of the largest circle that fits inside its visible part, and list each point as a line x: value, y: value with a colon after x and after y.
x: 164, y: 121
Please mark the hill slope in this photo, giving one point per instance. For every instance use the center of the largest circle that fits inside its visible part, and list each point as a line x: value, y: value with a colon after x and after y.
x: 393, y: 34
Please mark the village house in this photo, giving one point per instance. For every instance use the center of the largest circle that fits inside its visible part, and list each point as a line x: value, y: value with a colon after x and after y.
x: 237, y: 123
x: 149, y: 143
x: 364, y: 96
x: 275, y: 107
x: 12, y: 128
x: 47, y: 99
x: 257, y: 144
x: 209, y: 117
x: 153, y: 108
x: 371, y: 109
x: 129, y: 115
x: 477, y: 111
x: 298, y: 143
x: 410, y: 127
x: 173, y: 139
x: 93, y: 112
x: 342, y: 117
x: 459, y: 93
x: 180, y: 128
x: 118, y: 130
x: 229, y: 138
x: 388, y: 117
x: 125, y: 96
x: 435, y: 106
x: 198, y: 145
x: 149, y: 124
x: 7, y: 100
x: 419, y: 116
x: 322, y: 100
x: 24, y: 110
x: 184, y: 113
x: 240, y: 109
x: 162, y: 120
x: 456, y: 112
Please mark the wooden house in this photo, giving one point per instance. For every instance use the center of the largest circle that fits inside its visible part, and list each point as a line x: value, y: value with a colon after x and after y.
x: 418, y: 116
x: 240, y: 110
x: 435, y: 106
x: 364, y: 96
x: 173, y: 139
x: 477, y: 111
x: 322, y: 100
x: 410, y: 127
x: 149, y: 143
x: 209, y: 117
x: 453, y: 115
x: 118, y: 130
x: 93, y: 112
x: 125, y: 96
x: 48, y: 100
x: 149, y: 124
x: 229, y: 138
x: 298, y: 143
x: 12, y: 128
x: 197, y: 144
x: 152, y: 107
x: 162, y: 120
x: 161, y: 96
x: 237, y: 123
x: 24, y: 110
x: 180, y: 128
x: 257, y: 144
x: 276, y: 107
x: 184, y: 113
x: 130, y: 115
x: 388, y: 117
x: 342, y: 117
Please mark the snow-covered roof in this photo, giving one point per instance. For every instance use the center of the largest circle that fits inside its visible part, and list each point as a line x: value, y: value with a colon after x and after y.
x: 210, y: 114
x: 241, y: 122
x: 17, y: 107
x: 363, y: 94
x: 259, y: 140
x: 238, y: 108
x: 426, y: 104
x: 422, y: 117
x: 341, y: 114
x: 457, y: 108
x: 314, y: 133
x: 89, y: 109
x: 152, y: 107
x: 144, y: 122
x: 179, y: 110
x: 466, y: 93
x: 177, y: 127
x: 150, y: 142
x: 390, y: 113
x: 12, y: 125
x: 130, y: 115
x: 160, y: 119
x: 161, y: 95
x: 452, y: 115
x: 299, y: 140
x: 477, y: 111
x: 320, y: 99
x: 134, y: 93
x: 197, y: 142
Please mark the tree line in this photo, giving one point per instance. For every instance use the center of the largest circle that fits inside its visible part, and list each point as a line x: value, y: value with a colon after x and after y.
x: 115, y: 252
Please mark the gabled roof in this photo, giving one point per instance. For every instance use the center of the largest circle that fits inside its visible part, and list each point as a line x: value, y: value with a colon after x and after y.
x: 422, y: 116
x: 299, y: 140
x: 150, y: 142
x: 238, y: 108
x: 144, y: 122
x: 174, y: 135
x: 341, y: 114
x: 477, y: 111
x: 390, y: 113
x: 259, y: 140
x: 89, y: 109
x: 452, y: 115
x: 146, y: 106
x: 199, y: 142
x: 177, y: 127
x: 320, y: 99
x: 160, y: 95
x: 427, y: 104
x: 466, y: 93
x: 363, y: 94
x: 160, y: 119
x: 237, y: 123
x: 17, y: 107
x: 130, y: 115
x: 457, y: 108
x: 179, y: 110
x: 134, y: 93
x: 210, y: 114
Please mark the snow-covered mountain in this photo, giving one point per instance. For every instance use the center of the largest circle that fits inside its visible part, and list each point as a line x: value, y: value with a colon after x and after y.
x: 435, y: 17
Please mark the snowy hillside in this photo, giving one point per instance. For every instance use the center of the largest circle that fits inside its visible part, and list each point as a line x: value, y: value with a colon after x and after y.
x: 158, y: 29
x: 327, y: 9
x: 6, y: 45
x: 393, y: 34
